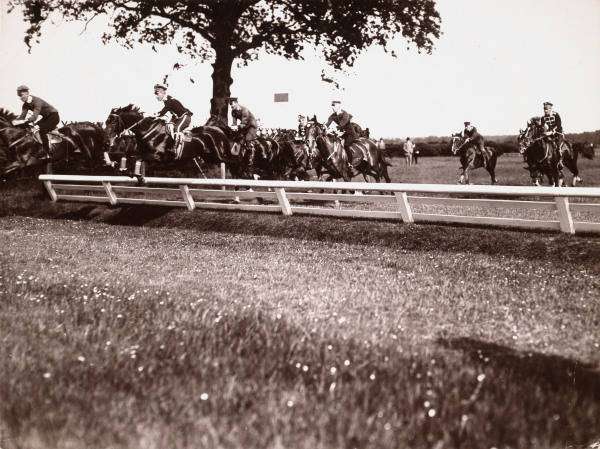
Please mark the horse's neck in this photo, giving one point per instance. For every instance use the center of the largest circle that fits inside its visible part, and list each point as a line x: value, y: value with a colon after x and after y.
x: 131, y: 119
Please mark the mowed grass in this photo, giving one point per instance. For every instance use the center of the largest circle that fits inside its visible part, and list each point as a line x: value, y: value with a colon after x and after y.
x: 142, y: 327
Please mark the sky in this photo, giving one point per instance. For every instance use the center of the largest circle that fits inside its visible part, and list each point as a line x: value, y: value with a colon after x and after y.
x: 495, y: 64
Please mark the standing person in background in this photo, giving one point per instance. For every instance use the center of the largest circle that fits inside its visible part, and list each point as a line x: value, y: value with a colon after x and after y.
x: 416, y: 154
x: 39, y: 108
x: 408, y: 151
x: 381, y: 144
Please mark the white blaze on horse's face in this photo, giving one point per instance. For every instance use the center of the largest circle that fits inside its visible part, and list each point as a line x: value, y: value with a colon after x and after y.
x: 455, y: 144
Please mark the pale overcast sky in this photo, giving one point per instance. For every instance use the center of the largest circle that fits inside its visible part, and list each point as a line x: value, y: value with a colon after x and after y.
x: 495, y: 64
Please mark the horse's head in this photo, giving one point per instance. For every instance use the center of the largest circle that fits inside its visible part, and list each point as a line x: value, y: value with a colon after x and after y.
x: 6, y: 118
x: 527, y: 135
x: 312, y: 132
x: 457, y: 141
x: 121, y: 119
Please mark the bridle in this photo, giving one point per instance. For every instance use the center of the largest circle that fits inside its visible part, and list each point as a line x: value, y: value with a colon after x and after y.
x: 122, y: 123
x: 455, y: 149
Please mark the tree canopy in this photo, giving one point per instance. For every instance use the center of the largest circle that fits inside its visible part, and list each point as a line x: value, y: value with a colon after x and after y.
x: 226, y: 31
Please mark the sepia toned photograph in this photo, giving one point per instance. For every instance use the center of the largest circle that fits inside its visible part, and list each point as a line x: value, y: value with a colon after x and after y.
x: 292, y: 224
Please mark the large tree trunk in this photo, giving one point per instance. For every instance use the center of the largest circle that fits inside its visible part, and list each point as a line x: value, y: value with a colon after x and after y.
x: 221, y: 83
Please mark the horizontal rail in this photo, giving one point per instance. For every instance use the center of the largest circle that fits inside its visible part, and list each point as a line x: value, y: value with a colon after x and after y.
x: 287, y: 198
x: 590, y: 192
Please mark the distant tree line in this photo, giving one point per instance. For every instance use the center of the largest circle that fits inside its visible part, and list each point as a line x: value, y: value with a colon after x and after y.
x: 441, y: 146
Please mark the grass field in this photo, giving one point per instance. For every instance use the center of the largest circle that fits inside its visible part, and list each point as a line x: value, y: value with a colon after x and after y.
x: 140, y: 327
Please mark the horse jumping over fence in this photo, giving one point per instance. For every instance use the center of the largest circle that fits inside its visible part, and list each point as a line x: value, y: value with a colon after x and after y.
x: 471, y: 158
x: 155, y: 145
x: 22, y: 148
x: 260, y: 158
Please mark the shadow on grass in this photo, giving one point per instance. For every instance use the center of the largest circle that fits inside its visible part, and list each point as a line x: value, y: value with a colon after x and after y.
x: 582, y: 251
x: 270, y: 384
x: 553, y: 371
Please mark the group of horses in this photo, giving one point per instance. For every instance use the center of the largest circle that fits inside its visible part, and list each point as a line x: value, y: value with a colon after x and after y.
x: 130, y: 136
x: 543, y: 153
x: 127, y: 133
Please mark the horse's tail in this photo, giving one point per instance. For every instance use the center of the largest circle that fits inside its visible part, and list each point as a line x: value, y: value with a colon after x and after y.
x: 585, y: 149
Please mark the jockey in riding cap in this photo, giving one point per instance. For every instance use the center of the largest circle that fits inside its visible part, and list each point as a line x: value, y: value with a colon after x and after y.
x: 553, y: 126
x: 248, y: 124
x: 301, y: 127
x: 472, y: 137
x: 39, y: 107
x: 181, y: 115
x: 343, y: 121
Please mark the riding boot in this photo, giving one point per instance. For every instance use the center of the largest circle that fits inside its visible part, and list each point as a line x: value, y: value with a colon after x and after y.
x: 46, y: 147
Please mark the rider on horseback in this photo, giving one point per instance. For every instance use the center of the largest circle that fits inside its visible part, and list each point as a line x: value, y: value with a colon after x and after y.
x: 472, y: 137
x: 552, y: 125
x: 248, y: 124
x: 181, y: 116
x: 301, y: 127
x: 343, y: 121
x: 39, y: 107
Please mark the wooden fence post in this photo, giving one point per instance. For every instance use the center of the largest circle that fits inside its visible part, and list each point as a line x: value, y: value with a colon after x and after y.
x: 404, y: 207
x: 223, y: 174
x: 564, y: 214
x: 283, y: 201
x: 50, y: 189
x: 112, y: 198
x: 187, y: 197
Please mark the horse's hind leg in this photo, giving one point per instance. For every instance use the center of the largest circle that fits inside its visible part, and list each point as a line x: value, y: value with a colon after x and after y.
x: 492, y: 170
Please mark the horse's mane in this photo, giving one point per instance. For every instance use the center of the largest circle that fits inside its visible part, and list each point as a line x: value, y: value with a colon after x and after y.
x: 7, y: 115
x: 129, y: 108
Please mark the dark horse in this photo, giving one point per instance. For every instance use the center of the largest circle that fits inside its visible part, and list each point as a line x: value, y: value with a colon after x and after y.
x: 295, y: 155
x: 155, y: 146
x: 89, y: 144
x: 329, y: 157
x: 570, y: 154
x: 21, y: 148
x: 541, y: 154
x: 472, y: 158
x: 261, y: 157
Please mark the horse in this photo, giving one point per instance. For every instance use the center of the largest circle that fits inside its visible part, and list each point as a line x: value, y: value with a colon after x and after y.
x: 472, y: 158
x: 23, y: 148
x: 569, y: 158
x: 260, y: 158
x: 155, y: 145
x: 328, y: 156
x: 295, y: 155
x: 541, y: 154
x: 89, y: 143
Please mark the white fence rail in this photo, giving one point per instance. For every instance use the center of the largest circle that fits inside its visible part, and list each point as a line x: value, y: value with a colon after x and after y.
x: 290, y: 197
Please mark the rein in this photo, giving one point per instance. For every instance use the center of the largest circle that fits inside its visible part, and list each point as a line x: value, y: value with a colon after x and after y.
x: 122, y: 123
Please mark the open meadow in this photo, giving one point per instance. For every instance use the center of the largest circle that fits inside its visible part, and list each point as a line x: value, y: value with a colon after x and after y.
x: 150, y: 327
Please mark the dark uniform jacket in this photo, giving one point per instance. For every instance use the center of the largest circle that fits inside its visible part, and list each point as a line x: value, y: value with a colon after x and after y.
x: 553, y: 122
x: 342, y: 119
x: 473, y: 135
x: 39, y: 107
x: 245, y: 117
x: 174, y: 107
